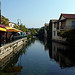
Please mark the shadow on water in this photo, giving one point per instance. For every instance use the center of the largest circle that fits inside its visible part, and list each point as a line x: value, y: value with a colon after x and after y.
x: 9, y: 67
x: 63, y: 54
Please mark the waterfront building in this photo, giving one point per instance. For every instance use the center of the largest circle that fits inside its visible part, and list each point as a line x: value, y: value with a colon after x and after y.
x: 53, y: 28
x: 64, y: 23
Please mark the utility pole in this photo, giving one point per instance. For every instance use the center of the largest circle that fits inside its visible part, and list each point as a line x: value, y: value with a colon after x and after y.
x: 19, y: 22
x: 0, y: 22
x: 0, y: 11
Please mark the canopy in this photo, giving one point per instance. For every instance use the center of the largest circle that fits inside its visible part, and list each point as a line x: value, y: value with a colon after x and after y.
x: 2, y: 29
x: 2, y: 26
x: 10, y: 29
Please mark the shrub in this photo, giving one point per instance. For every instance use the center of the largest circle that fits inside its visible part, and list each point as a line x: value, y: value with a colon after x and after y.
x: 28, y: 36
x: 70, y: 36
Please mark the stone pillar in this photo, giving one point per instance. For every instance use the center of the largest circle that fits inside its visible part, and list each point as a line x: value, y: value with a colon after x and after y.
x: 59, y: 26
x: 56, y: 33
x: 53, y: 27
x: 52, y: 34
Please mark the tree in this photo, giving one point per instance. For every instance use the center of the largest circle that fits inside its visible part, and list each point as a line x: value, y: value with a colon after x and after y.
x: 16, y: 26
x: 41, y: 33
x: 23, y: 28
x: 33, y: 32
x: 4, y: 21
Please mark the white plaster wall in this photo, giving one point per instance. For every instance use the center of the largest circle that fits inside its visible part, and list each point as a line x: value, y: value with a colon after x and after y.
x: 54, y: 37
x: 54, y: 30
x: 62, y: 18
x: 52, y: 26
x: 69, y: 23
x: 11, y: 24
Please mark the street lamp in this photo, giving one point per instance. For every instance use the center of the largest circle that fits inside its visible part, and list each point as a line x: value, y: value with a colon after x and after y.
x: 19, y: 22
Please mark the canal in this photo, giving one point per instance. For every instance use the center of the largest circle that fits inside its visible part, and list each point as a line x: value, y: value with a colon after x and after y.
x: 42, y: 58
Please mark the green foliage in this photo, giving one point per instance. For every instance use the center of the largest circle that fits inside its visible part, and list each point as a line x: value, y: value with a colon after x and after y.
x: 33, y: 32
x: 47, y: 28
x: 70, y: 36
x: 16, y: 26
x: 23, y: 28
x: 61, y: 33
x: 4, y: 21
x: 48, y: 32
x: 37, y: 30
x: 28, y: 36
x: 27, y: 30
x: 41, y: 33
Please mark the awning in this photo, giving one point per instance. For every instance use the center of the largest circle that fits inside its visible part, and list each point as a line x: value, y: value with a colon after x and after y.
x: 2, y: 29
x: 2, y: 26
x: 10, y: 29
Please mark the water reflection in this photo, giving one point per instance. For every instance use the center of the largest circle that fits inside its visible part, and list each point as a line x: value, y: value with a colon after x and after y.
x: 8, y: 64
x: 62, y: 54
x: 42, y: 58
x: 11, y: 67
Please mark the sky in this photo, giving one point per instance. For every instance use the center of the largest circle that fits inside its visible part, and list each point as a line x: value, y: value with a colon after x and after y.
x: 35, y: 13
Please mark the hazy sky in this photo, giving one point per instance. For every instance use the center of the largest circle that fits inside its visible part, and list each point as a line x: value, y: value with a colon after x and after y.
x: 35, y: 13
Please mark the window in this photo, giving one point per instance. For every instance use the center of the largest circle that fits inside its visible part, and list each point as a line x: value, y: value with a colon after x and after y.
x: 58, y: 25
x: 54, y: 25
x: 73, y: 23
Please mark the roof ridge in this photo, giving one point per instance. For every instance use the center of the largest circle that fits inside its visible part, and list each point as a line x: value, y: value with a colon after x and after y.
x: 67, y: 14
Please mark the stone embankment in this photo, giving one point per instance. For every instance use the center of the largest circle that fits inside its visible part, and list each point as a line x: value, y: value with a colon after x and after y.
x: 11, y: 47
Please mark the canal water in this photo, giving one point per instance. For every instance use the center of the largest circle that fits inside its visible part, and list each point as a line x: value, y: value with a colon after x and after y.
x: 42, y: 58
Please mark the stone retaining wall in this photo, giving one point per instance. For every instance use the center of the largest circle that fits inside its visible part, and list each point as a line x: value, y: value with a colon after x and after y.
x: 11, y: 47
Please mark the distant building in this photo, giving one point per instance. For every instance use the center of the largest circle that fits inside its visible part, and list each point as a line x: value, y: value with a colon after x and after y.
x: 11, y: 24
x: 53, y: 28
